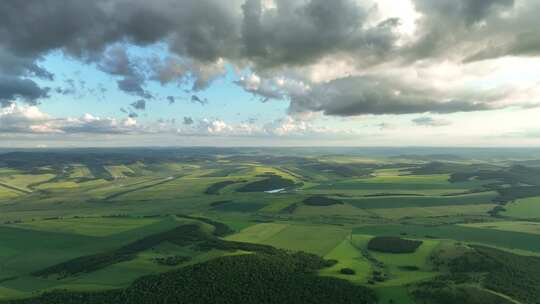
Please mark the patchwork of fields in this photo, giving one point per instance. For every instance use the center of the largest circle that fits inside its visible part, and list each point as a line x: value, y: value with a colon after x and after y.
x: 90, y: 209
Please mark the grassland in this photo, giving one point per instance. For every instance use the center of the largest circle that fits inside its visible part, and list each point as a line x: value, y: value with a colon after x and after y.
x: 527, y: 208
x: 119, y: 171
x: 258, y: 233
x: 348, y: 256
x: 398, y: 265
x: 79, y: 171
x: 314, y: 239
x: 397, y: 201
x: 7, y: 193
x: 25, y: 181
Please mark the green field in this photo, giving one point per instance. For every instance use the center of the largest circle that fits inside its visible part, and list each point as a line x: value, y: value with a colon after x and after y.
x: 79, y: 171
x: 87, y: 226
x: 348, y: 256
x: 528, y: 208
x: 91, y: 208
x: 425, y: 184
x: 422, y: 201
x: 505, y: 239
x: 397, y: 263
x: 25, y: 181
x: 258, y: 233
x: 418, y: 212
x: 314, y: 239
x: 7, y: 193
x: 515, y: 226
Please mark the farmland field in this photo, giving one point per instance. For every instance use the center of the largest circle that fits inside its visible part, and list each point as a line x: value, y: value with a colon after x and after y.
x: 87, y: 226
x: 524, y: 208
x: 516, y: 226
x: 95, y: 224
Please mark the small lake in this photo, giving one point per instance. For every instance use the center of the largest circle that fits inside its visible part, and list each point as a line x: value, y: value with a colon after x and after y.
x: 275, y: 190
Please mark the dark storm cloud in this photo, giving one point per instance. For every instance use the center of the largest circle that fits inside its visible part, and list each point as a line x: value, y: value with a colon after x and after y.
x: 301, y: 32
x: 363, y: 95
x: 167, y: 70
x: 83, y: 29
x: 19, y: 65
x: 294, y: 33
x: 133, y: 85
x: 476, y: 29
x: 523, y: 44
x: 171, y: 99
x: 202, y: 34
x: 116, y: 61
x: 139, y: 104
x: 80, y: 27
x: 468, y: 12
x: 5, y: 103
x: 204, y: 30
x: 12, y: 88
x: 448, y: 24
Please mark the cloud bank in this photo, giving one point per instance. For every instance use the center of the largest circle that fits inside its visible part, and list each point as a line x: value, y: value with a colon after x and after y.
x: 339, y: 58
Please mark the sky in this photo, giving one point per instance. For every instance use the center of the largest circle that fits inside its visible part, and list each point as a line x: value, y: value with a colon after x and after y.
x: 106, y: 73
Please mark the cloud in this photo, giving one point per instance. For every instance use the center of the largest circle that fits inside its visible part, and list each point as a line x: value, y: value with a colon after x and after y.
x: 468, y: 19
x: 273, y: 88
x: 29, y: 119
x: 12, y: 88
x: 139, y: 104
x: 431, y: 122
x: 481, y: 30
x: 353, y: 96
x: 25, y: 119
x: 201, y: 35
x: 264, y: 88
x: 466, y: 12
x: 522, y: 44
x: 68, y: 89
x: 184, y: 71
x: 92, y: 124
x: 199, y: 100
x: 291, y: 126
x: 116, y: 61
x: 16, y: 119
x: 205, y: 30
x: 171, y: 100
x: 322, y: 56
x: 301, y: 32
x: 188, y: 121
x: 14, y: 64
